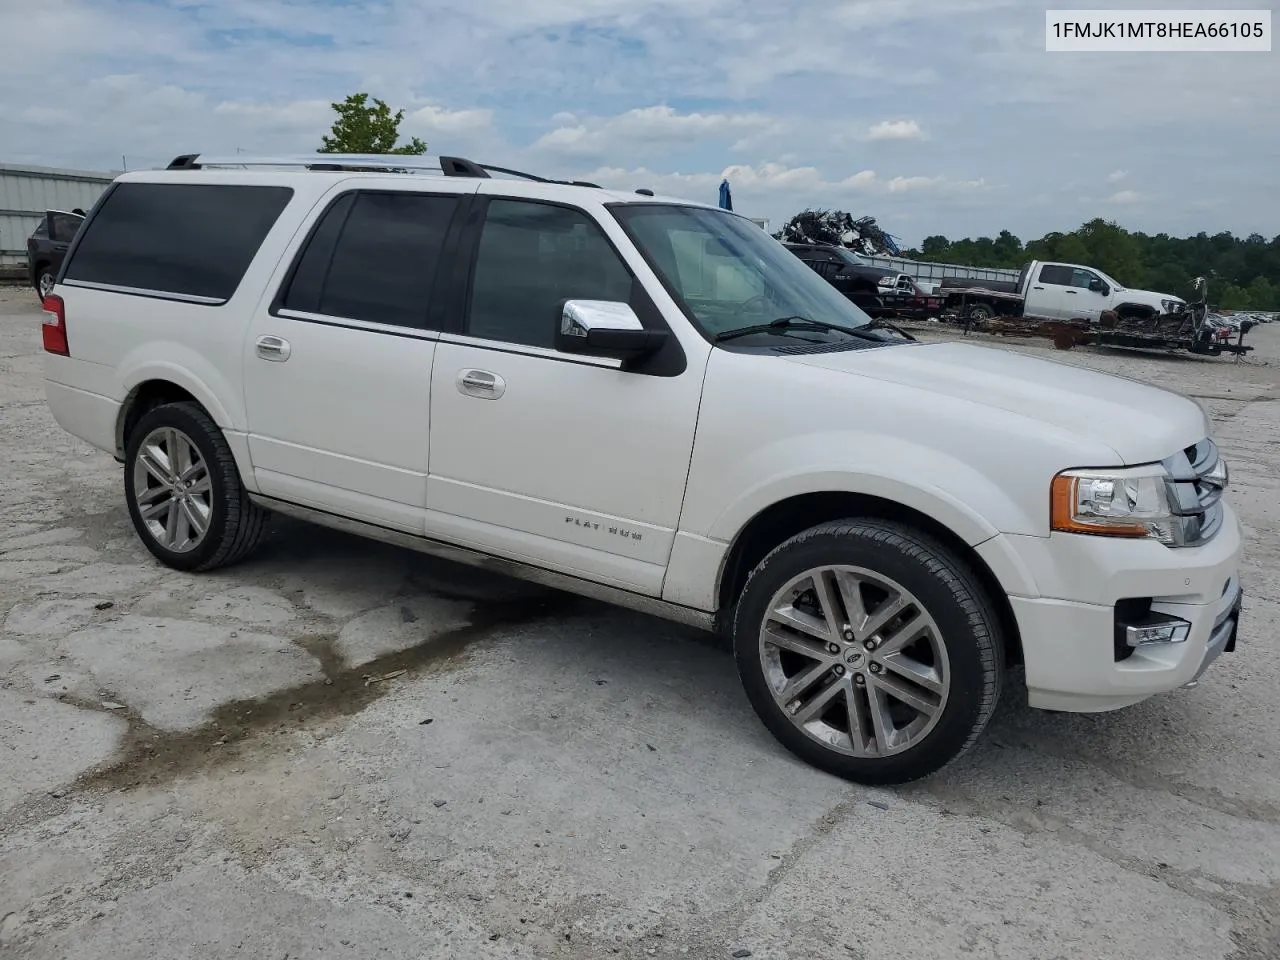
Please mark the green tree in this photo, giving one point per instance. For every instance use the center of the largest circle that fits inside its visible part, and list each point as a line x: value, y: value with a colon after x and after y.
x: 1262, y: 294
x: 365, y: 128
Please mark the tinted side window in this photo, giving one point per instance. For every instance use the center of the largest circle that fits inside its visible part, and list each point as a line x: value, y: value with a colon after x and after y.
x: 190, y: 239
x: 1082, y: 278
x: 65, y: 226
x: 532, y: 257
x: 374, y: 258
x: 1056, y: 274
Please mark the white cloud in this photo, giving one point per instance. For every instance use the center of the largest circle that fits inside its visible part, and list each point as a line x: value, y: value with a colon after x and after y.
x: 1117, y: 175
x: 1124, y: 197
x: 895, y: 130
x: 436, y: 119
x: 651, y: 126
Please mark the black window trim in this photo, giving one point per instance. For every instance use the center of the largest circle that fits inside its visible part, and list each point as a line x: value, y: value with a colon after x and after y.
x: 146, y: 293
x: 673, y: 364
x: 441, y: 283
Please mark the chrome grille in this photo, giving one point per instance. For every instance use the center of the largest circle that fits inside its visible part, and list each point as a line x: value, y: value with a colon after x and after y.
x: 1197, y: 478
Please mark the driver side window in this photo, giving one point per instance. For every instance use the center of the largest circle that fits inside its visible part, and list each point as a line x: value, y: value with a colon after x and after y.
x: 533, y: 257
x: 1082, y: 278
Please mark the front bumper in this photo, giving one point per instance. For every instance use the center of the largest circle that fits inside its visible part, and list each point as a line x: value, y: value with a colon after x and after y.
x: 1076, y: 658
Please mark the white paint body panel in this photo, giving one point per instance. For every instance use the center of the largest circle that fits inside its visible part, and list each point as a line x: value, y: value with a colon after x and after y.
x: 643, y: 482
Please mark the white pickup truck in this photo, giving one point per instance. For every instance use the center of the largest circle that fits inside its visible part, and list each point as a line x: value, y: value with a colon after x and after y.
x: 1054, y: 291
x: 651, y: 402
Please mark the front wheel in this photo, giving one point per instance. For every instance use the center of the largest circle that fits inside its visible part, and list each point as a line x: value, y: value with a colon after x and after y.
x: 869, y: 650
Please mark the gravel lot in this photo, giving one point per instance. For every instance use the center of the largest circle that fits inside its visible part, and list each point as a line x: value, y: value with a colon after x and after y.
x: 344, y: 750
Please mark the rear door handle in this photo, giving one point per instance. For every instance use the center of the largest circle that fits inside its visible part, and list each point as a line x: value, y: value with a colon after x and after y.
x: 481, y: 383
x: 273, y: 348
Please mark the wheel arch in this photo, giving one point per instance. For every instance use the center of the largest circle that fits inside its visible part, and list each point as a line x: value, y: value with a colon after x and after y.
x: 153, y: 386
x: 143, y: 397
x: 785, y: 518
x: 1134, y: 311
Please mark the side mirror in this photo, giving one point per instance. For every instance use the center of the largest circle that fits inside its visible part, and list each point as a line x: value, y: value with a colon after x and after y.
x: 1097, y: 286
x: 605, y: 328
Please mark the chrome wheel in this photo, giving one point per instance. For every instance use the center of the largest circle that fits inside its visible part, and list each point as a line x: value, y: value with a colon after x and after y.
x: 172, y: 489
x: 854, y: 661
x: 47, y: 282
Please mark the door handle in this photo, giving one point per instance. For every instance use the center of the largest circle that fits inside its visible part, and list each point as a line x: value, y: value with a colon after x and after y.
x: 273, y: 348
x: 1037, y: 288
x: 481, y: 383
x: 1073, y: 292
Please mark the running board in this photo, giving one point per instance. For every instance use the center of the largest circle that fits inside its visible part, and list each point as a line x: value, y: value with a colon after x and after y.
x: 511, y: 568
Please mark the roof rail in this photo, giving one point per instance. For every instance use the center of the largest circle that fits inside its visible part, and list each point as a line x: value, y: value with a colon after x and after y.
x: 398, y: 163
x: 365, y: 162
x: 312, y: 161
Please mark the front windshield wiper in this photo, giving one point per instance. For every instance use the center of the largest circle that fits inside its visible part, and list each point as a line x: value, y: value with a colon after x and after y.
x: 781, y: 325
x: 784, y: 324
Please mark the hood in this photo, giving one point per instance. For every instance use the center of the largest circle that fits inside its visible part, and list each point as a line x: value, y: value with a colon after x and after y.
x: 1149, y: 296
x: 1141, y: 423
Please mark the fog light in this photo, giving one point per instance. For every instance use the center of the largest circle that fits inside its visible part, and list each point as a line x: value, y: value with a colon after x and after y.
x: 1170, y: 631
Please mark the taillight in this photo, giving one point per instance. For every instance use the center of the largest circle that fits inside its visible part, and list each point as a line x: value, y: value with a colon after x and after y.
x: 54, y: 328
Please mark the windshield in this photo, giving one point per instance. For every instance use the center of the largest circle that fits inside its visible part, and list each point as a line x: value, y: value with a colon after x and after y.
x: 727, y: 273
x: 844, y: 253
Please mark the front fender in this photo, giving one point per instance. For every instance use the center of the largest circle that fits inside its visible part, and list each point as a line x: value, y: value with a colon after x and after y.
x: 962, y: 499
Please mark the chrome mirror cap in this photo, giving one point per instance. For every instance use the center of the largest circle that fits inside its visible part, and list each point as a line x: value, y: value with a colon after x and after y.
x: 580, y: 317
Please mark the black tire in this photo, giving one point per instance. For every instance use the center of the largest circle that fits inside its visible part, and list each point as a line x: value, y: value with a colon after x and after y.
x: 236, y: 525
x: 950, y: 593
x: 44, y: 275
x: 980, y: 313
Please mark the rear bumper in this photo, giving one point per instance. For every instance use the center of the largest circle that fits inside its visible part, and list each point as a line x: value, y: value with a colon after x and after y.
x: 89, y: 416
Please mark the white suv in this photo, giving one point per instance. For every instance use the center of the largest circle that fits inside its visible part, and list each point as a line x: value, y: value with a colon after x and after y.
x: 653, y: 402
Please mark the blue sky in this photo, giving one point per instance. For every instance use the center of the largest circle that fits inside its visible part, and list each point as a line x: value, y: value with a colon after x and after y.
x: 935, y: 116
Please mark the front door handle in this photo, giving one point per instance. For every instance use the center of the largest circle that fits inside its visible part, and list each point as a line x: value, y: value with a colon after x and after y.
x: 273, y: 348
x: 481, y: 383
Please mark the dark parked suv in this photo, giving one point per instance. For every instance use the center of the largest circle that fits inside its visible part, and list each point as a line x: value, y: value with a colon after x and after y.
x: 47, y: 246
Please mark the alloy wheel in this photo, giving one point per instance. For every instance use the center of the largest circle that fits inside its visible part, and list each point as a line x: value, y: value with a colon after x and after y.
x: 172, y: 489
x: 854, y: 661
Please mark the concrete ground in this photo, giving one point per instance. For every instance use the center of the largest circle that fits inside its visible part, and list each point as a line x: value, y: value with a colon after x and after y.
x: 340, y: 749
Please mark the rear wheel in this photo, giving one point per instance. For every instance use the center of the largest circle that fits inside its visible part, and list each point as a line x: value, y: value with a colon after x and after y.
x: 184, y: 492
x: 869, y: 650
x: 980, y: 313
x: 45, y: 280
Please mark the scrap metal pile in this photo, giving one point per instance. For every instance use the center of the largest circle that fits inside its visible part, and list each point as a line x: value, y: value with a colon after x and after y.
x: 841, y: 229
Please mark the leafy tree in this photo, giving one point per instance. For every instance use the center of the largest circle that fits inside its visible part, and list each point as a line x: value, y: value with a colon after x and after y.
x: 361, y: 128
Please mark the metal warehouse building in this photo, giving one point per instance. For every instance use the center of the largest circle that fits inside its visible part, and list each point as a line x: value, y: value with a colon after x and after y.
x: 27, y: 192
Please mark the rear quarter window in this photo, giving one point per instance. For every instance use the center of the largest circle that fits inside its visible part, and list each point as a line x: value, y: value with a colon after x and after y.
x: 185, y: 240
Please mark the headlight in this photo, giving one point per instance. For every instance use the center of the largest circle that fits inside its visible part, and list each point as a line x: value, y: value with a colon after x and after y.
x: 1125, y: 502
